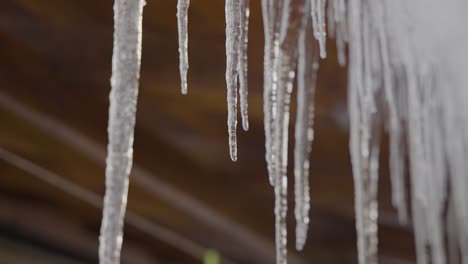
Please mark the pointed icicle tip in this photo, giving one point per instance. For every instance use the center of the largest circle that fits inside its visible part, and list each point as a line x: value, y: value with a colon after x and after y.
x: 302, y: 229
x: 184, y: 88
x: 233, y: 156
x: 245, y: 124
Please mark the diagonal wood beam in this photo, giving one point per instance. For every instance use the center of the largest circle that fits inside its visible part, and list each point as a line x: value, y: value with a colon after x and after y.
x: 254, y: 248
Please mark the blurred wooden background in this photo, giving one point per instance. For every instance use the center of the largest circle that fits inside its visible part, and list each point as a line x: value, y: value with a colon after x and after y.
x: 55, y: 64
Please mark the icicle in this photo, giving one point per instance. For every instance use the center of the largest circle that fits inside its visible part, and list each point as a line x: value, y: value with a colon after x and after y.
x: 293, y: 22
x: 365, y: 155
x: 281, y: 209
x: 331, y: 10
x: 267, y: 89
x: 435, y: 181
x: 233, y: 44
x: 318, y: 19
x: 364, y: 134
x: 455, y: 141
x: 123, y: 99
x: 353, y: 108
x: 340, y: 46
x: 418, y: 200
x: 453, y: 96
x: 337, y: 26
x: 397, y: 163
x: 243, y: 62
x: 272, y: 15
x: 304, y: 133
x: 182, y: 10
x: 237, y: 30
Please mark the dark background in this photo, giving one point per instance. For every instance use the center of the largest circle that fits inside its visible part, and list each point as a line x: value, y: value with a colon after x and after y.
x: 55, y: 64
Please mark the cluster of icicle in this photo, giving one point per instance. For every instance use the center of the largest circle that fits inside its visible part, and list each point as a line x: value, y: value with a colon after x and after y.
x: 406, y: 73
x: 406, y: 76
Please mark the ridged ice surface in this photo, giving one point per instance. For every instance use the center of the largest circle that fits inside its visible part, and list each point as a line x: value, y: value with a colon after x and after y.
x: 123, y: 100
x: 243, y: 63
x: 307, y: 67
x: 182, y: 24
x: 272, y: 14
x: 318, y: 18
x: 233, y: 41
x: 237, y: 24
x: 292, y: 23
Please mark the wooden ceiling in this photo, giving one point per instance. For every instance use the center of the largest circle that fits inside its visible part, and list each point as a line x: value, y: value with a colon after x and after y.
x: 55, y: 63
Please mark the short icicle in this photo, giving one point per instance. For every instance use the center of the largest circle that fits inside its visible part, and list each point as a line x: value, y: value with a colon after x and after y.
x: 182, y: 16
x: 318, y: 19
x: 126, y: 61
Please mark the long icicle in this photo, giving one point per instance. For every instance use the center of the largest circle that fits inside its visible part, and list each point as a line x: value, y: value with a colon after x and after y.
x: 233, y: 44
x: 293, y: 21
x: 267, y: 87
x: 126, y: 60
x: 182, y: 17
x: 307, y: 68
x: 243, y: 62
x: 397, y: 163
x: 272, y: 15
x: 364, y: 132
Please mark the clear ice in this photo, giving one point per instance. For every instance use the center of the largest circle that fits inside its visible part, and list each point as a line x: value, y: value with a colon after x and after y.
x: 237, y: 28
x: 182, y: 17
x: 126, y: 62
x: 307, y: 67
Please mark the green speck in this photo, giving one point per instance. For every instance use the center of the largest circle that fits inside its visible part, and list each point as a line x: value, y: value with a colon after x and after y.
x: 211, y: 257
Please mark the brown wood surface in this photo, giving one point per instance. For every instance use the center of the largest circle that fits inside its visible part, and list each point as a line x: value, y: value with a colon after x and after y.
x: 55, y: 63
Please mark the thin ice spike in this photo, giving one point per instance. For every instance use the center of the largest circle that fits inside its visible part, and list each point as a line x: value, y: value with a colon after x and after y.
x: 293, y: 21
x: 318, y: 13
x: 233, y: 32
x: 272, y: 17
x: 397, y: 164
x: 243, y: 63
x: 182, y: 17
x: 267, y: 88
x: 304, y: 133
